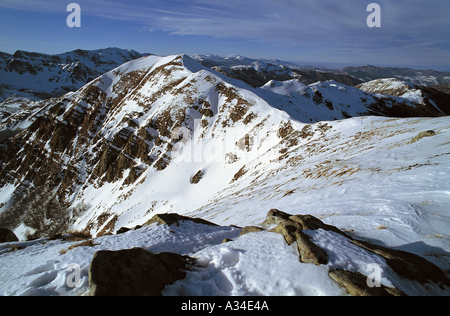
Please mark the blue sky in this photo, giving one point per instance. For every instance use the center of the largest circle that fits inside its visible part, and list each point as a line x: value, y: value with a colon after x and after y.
x: 413, y: 32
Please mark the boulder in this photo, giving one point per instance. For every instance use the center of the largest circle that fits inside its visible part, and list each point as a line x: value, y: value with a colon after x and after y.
x: 7, y: 236
x: 122, y: 230
x: 173, y: 218
x: 134, y: 272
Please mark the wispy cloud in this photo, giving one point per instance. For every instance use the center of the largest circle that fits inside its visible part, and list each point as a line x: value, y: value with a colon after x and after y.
x: 323, y: 24
x: 267, y: 20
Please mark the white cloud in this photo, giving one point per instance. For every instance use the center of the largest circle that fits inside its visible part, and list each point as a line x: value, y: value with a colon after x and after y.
x: 407, y: 25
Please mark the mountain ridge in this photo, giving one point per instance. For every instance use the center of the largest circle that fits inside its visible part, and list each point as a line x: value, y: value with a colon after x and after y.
x: 421, y: 77
x: 137, y: 120
x: 166, y: 134
x: 39, y: 76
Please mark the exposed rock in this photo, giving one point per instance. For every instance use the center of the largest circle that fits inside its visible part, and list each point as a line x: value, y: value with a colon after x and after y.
x: 356, y: 284
x: 302, y: 222
x: 7, y: 236
x: 422, y: 135
x: 291, y: 226
x: 122, y: 230
x: 250, y: 229
x: 407, y: 264
x: 172, y: 218
x: 175, y: 263
x: 277, y: 217
x: 308, y: 251
x: 134, y: 272
x: 197, y: 177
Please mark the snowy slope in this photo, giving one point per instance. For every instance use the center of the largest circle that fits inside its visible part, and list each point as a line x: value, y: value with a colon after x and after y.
x: 127, y: 146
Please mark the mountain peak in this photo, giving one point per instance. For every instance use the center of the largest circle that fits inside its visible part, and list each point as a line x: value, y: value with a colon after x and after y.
x: 166, y: 134
x: 39, y: 76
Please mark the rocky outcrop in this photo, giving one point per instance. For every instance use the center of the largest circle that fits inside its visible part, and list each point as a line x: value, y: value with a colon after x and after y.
x: 405, y: 264
x: 197, y: 177
x: 139, y: 272
x: 169, y: 219
x: 356, y: 284
x: 134, y: 272
x: 292, y: 226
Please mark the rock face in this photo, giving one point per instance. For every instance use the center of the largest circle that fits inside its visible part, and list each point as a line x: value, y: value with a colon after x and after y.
x: 134, y: 272
x: 7, y: 236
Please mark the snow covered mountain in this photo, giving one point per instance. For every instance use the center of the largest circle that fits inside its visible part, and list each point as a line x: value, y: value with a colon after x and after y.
x: 38, y: 76
x: 415, y: 76
x: 257, y: 72
x: 420, y: 94
x: 168, y: 135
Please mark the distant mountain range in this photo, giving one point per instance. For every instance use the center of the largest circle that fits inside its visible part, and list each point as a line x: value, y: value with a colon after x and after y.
x: 422, y: 77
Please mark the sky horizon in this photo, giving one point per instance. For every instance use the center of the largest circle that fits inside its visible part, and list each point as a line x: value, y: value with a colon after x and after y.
x: 413, y: 33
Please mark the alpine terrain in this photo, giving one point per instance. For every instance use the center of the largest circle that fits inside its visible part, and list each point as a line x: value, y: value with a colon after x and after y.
x: 314, y: 185
x: 38, y: 76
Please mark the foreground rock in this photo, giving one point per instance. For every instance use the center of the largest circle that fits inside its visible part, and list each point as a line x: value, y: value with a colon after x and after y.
x: 139, y: 272
x: 134, y: 272
x: 356, y: 284
x: 405, y: 264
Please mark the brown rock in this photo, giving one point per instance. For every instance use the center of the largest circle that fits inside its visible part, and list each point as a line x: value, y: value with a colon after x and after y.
x: 172, y: 218
x: 308, y: 251
x: 250, y: 229
x: 134, y: 272
x: 407, y: 264
x: 356, y: 284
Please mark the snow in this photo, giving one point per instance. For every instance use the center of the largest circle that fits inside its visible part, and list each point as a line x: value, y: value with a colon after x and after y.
x: 395, y: 87
x: 52, y: 73
x: 40, y: 267
x: 361, y: 175
x: 256, y: 264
